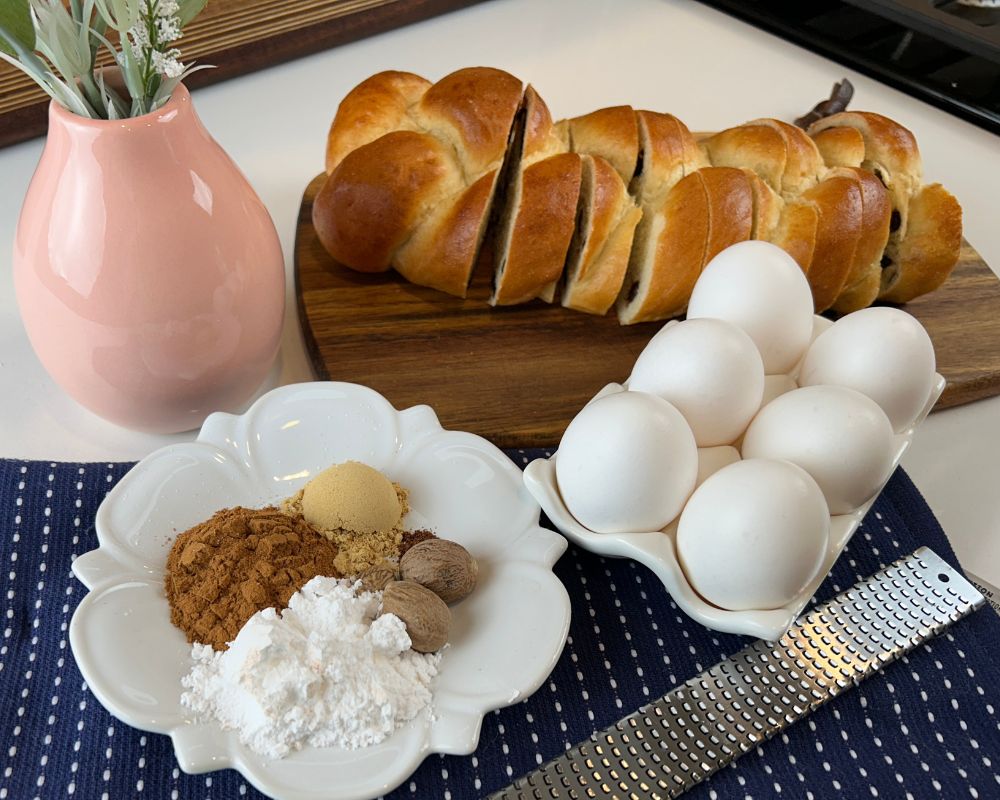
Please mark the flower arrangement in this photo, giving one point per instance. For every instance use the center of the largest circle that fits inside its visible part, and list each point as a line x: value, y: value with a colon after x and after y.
x: 57, y: 46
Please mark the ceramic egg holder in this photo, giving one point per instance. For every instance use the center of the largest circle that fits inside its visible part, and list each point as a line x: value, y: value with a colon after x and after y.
x: 658, y: 549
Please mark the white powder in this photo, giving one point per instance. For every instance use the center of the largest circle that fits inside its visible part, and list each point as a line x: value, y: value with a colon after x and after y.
x: 323, y: 673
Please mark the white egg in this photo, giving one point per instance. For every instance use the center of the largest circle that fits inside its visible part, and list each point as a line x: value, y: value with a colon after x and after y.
x: 883, y: 353
x: 775, y: 386
x: 753, y: 535
x: 712, y: 459
x: 758, y: 287
x: 839, y: 436
x: 627, y: 462
x: 820, y: 325
x: 710, y: 370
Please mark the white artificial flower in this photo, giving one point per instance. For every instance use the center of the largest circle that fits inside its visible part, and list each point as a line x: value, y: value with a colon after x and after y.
x: 168, y: 29
x: 168, y: 64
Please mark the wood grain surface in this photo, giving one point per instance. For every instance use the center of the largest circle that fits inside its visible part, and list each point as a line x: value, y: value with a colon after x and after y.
x: 517, y: 375
x: 238, y: 36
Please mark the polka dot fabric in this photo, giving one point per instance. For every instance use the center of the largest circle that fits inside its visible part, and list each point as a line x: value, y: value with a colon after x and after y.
x: 929, y: 726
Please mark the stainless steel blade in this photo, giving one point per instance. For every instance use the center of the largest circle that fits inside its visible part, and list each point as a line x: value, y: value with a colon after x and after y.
x: 675, y: 742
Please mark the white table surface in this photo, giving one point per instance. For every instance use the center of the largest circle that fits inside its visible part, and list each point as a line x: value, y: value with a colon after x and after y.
x: 710, y: 70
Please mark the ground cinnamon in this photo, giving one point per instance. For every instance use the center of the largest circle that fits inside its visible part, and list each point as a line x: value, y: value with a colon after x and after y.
x: 411, y: 538
x: 224, y: 570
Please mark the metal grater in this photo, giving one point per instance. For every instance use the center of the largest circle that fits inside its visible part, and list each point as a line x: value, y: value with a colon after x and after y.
x: 668, y: 746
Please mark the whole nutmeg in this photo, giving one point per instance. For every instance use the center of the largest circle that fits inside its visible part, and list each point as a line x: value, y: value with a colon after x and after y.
x: 444, y: 567
x: 425, y: 615
x: 378, y: 576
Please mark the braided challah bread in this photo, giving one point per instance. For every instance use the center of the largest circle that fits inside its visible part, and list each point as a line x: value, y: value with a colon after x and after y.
x: 620, y: 206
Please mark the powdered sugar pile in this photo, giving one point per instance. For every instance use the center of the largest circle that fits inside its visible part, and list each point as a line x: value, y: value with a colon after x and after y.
x: 325, y: 672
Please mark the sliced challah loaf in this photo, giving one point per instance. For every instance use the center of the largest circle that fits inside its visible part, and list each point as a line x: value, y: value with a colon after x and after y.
x: 620, y: 203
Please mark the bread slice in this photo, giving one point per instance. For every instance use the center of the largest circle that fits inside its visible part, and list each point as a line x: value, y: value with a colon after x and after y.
x: 667, y: 255
x: 863, y: 281
x: 602, y: 240
x: 376, y: 106
x: 837, y: 201
x: 667, y: 152
x: 924, y: 258
x: 542, y: 138
x: 536, y: 207
x: 610, y: 133
x: 536, y: 230
x: 795, y: 232
x: 767, y: 206
x: 730, y: 210
x: 379, y: 194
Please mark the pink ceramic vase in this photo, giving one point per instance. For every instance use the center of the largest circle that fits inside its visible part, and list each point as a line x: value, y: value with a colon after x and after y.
x: 148, y: 273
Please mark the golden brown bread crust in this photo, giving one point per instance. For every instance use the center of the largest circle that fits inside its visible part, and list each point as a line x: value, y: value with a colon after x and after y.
x: 375, y: 106
x: 803, y: 164
x: 667, y: 259
x: 885, y: 140
x: 796, y: 231
x: 840, y: 147
x: 930, y: 250
x: 598, y: 254
x: 445, y: 247
x: 862, y: 284
x: 541, y: 137
x: 612, y: 134
x: 472, y: 109
x: 730, y: 209
x: 542, y: 226
x: 759, y: 148
x: 838, y: 203
x: 891, y: 153
x: 668, y: 152
x: 371, y: 204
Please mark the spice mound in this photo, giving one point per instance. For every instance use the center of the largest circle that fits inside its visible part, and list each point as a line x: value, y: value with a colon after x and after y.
x: 328, y: 672
x: 222, y: 571
x: 359, y: 509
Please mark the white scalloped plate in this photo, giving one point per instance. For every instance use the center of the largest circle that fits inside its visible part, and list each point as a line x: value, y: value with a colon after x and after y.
x: 505, y: 638
x: 657, y: 549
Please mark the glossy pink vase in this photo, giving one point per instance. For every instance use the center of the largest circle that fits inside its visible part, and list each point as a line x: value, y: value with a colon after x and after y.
x: 148, y: 273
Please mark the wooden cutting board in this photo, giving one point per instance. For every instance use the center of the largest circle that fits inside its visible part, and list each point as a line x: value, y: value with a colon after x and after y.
x: 518, y: 375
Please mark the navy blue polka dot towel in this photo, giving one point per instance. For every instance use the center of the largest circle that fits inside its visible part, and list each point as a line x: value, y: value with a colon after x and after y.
x: 929, y: 726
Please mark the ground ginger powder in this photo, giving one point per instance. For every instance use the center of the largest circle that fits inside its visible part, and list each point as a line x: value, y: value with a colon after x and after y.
x: 359, y: 550
x: 240, y: 561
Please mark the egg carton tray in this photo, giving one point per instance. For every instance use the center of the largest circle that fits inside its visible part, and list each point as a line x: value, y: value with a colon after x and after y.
x: 658, y: 549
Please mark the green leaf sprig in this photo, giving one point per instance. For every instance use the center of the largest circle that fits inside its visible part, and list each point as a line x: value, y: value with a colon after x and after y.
x: 58, y: 46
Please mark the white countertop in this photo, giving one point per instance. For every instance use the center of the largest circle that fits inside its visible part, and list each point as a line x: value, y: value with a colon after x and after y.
x: 710, y: 70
